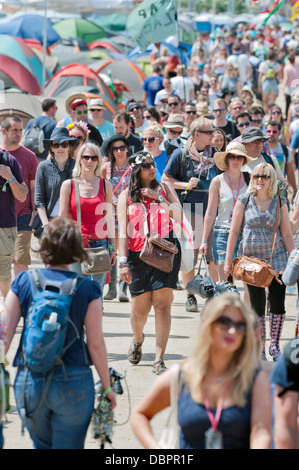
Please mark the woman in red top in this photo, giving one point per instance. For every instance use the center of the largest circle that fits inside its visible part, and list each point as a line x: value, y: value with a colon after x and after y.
x: 146, y: 201
x: 97, y: 221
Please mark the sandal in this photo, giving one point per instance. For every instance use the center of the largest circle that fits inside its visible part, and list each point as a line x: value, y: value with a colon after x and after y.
x: 135, y: 352
x: 159, y: 367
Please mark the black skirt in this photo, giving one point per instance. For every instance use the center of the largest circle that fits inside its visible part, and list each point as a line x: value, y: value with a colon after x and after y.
x: 146, y: 278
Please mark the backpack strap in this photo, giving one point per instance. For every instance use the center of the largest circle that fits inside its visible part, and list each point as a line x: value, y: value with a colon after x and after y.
x: 268, y: 159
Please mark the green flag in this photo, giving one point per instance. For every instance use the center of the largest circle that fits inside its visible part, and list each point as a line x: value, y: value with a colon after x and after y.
x: 152, y: 21
x: 275, y: 9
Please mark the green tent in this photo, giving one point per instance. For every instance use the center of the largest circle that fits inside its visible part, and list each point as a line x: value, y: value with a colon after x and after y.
x: 112, y: 22
x: 79, y: 28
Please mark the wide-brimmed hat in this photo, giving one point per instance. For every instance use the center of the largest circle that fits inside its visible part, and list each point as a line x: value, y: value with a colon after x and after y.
x: 96, y: 103
x: 235, y: 148
x: 61, y: 134
x: 174, y: 120
x: 115, y: 138
x: 71, y: 98
x: 250, y: 134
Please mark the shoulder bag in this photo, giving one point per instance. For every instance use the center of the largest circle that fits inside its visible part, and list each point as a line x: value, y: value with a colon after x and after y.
x: 254, y: 271
x: 170, y: 437
x: 99, y: 257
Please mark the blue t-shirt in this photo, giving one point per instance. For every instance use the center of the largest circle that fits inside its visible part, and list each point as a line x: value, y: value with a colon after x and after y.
x: 106, y: 130
x: 87, y: 291
x: 295, y: 140
x: 152, y: 85
x: 160, y: 162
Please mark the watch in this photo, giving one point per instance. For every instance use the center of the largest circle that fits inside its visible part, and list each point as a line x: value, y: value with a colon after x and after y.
x: 160, y: 199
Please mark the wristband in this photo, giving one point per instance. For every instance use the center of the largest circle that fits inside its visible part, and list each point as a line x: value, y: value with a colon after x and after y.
x: 123, y: 259
x: 123, y: 264
x: 11, y: 180
x: 204, y: 241
x: 186, y: 187
x: 111, y: 248
x: 107, y: 390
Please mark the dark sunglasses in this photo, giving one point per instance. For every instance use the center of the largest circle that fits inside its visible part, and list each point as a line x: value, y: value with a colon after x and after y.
x: 206, y: 132
x: 244, y: 124
x: 84, y: 111
x: 149, y: 139
x: 148, y: 165
x: 147, y: 116
x: 270, y: 131
x: 219, y: 110
x: 225, y: 323
x: 172, y: 131
x: 94, y: 110
x: 121, y: 148
x: 79, y: 137
x: 233, y: 157
x: 257, y: 121
x: 276, y: 112
x: 263, y: 177
x: 176, y: 103
x: 135, y: 108
x: 93, y: 158
x: 56, y: 145
x: 190, y: 112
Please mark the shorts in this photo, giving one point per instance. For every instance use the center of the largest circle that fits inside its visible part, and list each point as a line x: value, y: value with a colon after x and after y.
x: 23, y: 241
x: 270, y: 86
x: 8, y: 237
x: 220, y: 237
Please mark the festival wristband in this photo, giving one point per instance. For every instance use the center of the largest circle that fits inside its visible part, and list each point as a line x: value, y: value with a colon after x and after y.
x: 204, y: 241
x: 123, y: 259
x: 107, y: 390
x: 11, y: 180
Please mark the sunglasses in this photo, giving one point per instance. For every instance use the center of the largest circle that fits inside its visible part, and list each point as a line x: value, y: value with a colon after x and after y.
x: 219, y: 110
x: 257, y: 121
x: 94, y: 110
x: 93, y: 158
x: 270, y: 131
x: 206, y: 132
x: 151, y: 140
x: 275, y: 112
x: 135, y: 108
x: 79, y: 137
x: 263, y: 177
x: 56, y: 145
x: 176, y: 103
x: 244, y: 124
x: 172, y: 131
x: 233, y: 157
x: 83, y: 111
x: 148, y: 165
x: 190, y: 112
x: 225, y: 323
x: 121, y: 148
x: 147, y: 116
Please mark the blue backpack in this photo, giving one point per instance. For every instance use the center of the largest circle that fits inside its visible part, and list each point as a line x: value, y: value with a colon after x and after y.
x: 47, y: 322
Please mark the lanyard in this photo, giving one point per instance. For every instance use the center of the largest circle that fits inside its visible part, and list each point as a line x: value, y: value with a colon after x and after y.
x: 215, y: 419
x: 230, y: 185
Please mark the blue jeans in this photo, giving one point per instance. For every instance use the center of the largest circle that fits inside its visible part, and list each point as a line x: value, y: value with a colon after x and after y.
x: 100, y: 278
x: 63, y: 419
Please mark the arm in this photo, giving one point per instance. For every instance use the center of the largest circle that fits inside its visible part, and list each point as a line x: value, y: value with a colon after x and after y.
x: 64, y: 202
x: 123, y: 241
x: 260, y: 422
x: 13, y: 315
x: 171, y: 205
x: 291, y: 172
x: 211, y: 212
x: 96, y: 345
x: 286, y: 419
x: 291, y: 273
x: 110, y: 220
x: 176, y: 184
x: 285, y: 229
x: 154, y: 401
x: 19, y: 190
x: 294, y: 221
x: 236, y: 224
x: 32, y: 191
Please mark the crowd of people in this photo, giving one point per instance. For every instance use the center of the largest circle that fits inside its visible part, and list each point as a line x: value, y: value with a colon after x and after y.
x: 215, y: 143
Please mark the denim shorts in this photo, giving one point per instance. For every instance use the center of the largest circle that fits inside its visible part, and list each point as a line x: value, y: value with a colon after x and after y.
x: 63, y: 419
x: 220, y: 237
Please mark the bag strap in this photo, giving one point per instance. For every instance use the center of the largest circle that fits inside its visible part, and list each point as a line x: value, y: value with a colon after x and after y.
x: 275, y: 227
x: 78, y: 205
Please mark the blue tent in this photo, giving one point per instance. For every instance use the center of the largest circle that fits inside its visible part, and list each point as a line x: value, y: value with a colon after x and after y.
x: 183, y: 52
x: 29, y: 27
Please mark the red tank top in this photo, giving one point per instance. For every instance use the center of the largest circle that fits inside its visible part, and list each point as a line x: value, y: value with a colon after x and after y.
x: 93, y: 225
x: 157, y: 221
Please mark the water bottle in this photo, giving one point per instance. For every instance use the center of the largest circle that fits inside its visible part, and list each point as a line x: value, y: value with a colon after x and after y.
x: 292, y: 289
x: 51, y: 323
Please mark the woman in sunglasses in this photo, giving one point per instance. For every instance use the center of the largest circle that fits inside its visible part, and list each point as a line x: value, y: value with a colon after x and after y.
x: 50, y: 175
x: 80, y: 131
x: 152, y: 140
x: 224, y: 398
x: 97, y: 222
x: 147, y: 201
x: 254, y: 214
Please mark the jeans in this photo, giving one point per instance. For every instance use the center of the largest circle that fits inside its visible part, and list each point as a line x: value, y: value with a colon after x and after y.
x: 63, y: 419
x: 100, y: 278
x: 220, y: 238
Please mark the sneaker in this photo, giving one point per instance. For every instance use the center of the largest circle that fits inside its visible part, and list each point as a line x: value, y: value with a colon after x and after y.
x: 179, y: 286
x: 191, y: 304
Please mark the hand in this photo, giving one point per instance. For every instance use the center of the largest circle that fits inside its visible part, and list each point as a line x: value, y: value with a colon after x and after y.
x: 125, y: 274
x: 203, y: 248
x: 32, y: 218
x: 192, y: 183
x: 5, y: 172
x: 147, y: 192
x: 113, y: 258
x: 112, y: 398
x: 228, y: 269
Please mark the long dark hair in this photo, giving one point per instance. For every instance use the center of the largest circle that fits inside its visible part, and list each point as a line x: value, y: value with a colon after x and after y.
x: 135, y: 183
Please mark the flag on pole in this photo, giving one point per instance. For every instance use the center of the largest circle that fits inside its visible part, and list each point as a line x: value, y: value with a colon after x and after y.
x: 295, y: 10
x: 274, y: 10
x: 152, y: 21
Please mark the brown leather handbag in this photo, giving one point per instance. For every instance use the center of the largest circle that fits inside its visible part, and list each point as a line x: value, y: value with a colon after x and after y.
x: 254, y: 271
x: 159, y: 253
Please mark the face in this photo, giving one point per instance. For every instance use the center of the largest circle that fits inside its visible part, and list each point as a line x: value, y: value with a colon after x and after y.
x: 60, y: 150
x: 243, y: 123
x: 174, y: 132
x: 81, y: 112
x: 121, y: 127
x: 96, y: 113
x: 229, y: 70
x: 78, y: 134
x: 14, y: 134
x: 151, y: 141
x: 236, y: 108
x: 119, y: 150
x: 148, y: 170
x: 89, y: 161
x: 235, y: 162
x: 261, y: 180
x: 203, y: 137
x: 257, y: 121
x: 276, y: 114
x: 148, y: 116
x: 189, y: 114
x: 174, y: 105
x: 217, y: 140
x: 136, y: 111
x: 254, y: 148
x: 228, y: 330
x: 219, y: 111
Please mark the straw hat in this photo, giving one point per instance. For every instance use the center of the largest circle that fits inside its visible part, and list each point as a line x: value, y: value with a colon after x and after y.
x: 236, y: 148
x: 73, y: 97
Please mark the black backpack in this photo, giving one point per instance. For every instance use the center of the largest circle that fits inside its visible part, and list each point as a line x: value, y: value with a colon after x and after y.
x: 34, y: 137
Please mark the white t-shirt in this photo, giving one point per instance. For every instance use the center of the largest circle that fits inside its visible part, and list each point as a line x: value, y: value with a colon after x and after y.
x: 184, y: 85
x: 242, y: 61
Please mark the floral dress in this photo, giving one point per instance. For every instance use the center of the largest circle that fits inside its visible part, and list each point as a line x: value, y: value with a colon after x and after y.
x: 257, y: 236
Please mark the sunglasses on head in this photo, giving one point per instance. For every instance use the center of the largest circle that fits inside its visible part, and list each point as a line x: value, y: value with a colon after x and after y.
x: 135, y: 108
x: 93, y: 158
x: 151, y: 140
x: 270, y: 131
x: 225, y: 323
x: 263, y: 177
x: 148, y: 165
x: 244, y: 124
x: 56, y: 145
x: 121, y: 148
x: 79, y: 137
x: 83, y: 111
x: 172, y: 131
x: 175, y: 103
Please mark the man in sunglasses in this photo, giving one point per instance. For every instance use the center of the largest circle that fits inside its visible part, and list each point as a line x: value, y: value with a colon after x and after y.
x: 189, y: 114
x: 174, y: 104
x: 243, y: 120
x: 135, y: 110
x: 220, y: 121
x: 174, y: 127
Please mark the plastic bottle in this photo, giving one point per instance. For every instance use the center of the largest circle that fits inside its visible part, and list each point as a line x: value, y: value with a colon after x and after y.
x: 51, y: 323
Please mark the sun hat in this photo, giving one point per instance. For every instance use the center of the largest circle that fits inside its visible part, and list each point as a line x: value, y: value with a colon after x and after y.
x: 174, y: 120
x: 250, y: 134
x: 236, y: 148
x: 115, y: 138
x: 71, y: 98
x: 61, y: 134
x: 96, y: 103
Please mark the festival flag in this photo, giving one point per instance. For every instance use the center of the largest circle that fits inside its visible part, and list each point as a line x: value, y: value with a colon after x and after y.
x: 273, y: 10
x: 152, y: 21
x: 295, y: 10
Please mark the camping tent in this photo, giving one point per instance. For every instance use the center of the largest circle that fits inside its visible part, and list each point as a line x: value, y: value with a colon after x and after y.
x: 29, y: 27
x: 79, y: 28
x: 15, y: 101
x: 114, y: 21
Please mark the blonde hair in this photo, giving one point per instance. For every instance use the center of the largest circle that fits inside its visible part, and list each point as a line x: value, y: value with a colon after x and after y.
x: 267, y: 169
x: 156, y: 129
x: 198, y: 124
x: 245, y: 361
x: 96, y: 150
